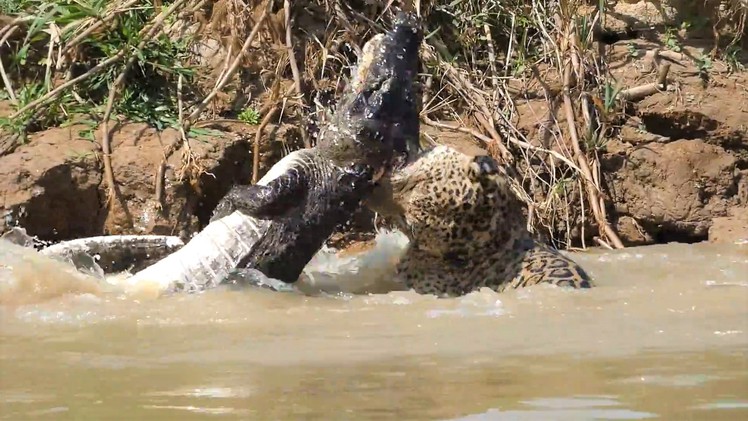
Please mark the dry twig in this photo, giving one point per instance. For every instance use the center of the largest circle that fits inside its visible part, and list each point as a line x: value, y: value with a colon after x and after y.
x: 638, y: 93
x: 485, y: 116
x: 187, y: 123
x: 95, y: 24
x: 230, y: 72
x: 150, y: 31
x: 258, y: 136
x: 6, y: 80
x: 33, y: 105
x: 473, y: 132
x: 590, y: 186
x: 294, y: 65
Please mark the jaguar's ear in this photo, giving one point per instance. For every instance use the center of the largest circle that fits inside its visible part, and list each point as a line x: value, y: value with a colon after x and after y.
x: 484, y: 165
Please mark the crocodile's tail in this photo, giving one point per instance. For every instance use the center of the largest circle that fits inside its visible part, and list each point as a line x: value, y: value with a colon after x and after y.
x: 114, y: 253
x: 207, y: 258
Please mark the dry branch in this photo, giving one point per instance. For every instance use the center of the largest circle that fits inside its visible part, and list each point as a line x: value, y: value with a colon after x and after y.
x: 484, y: 114
x: 149, y: 31
x: 33, y: 105
x: 14, y: 23
x: 602, y: 243
x: 656, y: 54
x: 466, y: 130
x: 230, y: 72
x: 6, y: 80
x: 186, y: 123
x: 294, y: 65
x: 258, y: 136
x: 638, y: 93
x: 95, y: 24
x: 590, y: 185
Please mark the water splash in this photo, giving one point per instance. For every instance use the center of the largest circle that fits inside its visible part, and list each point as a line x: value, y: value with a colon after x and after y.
x: 28, y: 277
x: 369, y: 271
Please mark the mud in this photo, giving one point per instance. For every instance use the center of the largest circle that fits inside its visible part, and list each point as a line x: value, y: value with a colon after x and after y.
x: 663, y: 336
x: 676, y: 168
x: 53, y: 185
x: 672, y: 175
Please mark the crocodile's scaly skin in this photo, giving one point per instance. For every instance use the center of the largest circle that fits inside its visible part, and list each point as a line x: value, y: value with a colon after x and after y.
x: 375, y: 122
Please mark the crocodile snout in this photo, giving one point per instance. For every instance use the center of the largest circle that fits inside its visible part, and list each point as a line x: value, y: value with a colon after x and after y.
x: 383, y: 97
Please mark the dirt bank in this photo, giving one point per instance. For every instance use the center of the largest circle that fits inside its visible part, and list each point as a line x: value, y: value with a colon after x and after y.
x: 53, y: 185
x: 676, y: 165
x: 689, y: 187
x: 677, y: 170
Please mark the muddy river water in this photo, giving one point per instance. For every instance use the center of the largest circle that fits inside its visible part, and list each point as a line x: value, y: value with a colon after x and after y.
x: 663, y: 336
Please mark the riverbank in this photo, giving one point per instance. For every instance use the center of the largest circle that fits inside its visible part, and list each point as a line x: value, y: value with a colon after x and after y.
x: 639, y: 141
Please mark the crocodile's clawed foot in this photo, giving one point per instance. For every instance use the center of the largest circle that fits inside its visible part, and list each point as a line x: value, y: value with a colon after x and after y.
x: 245, y: 277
